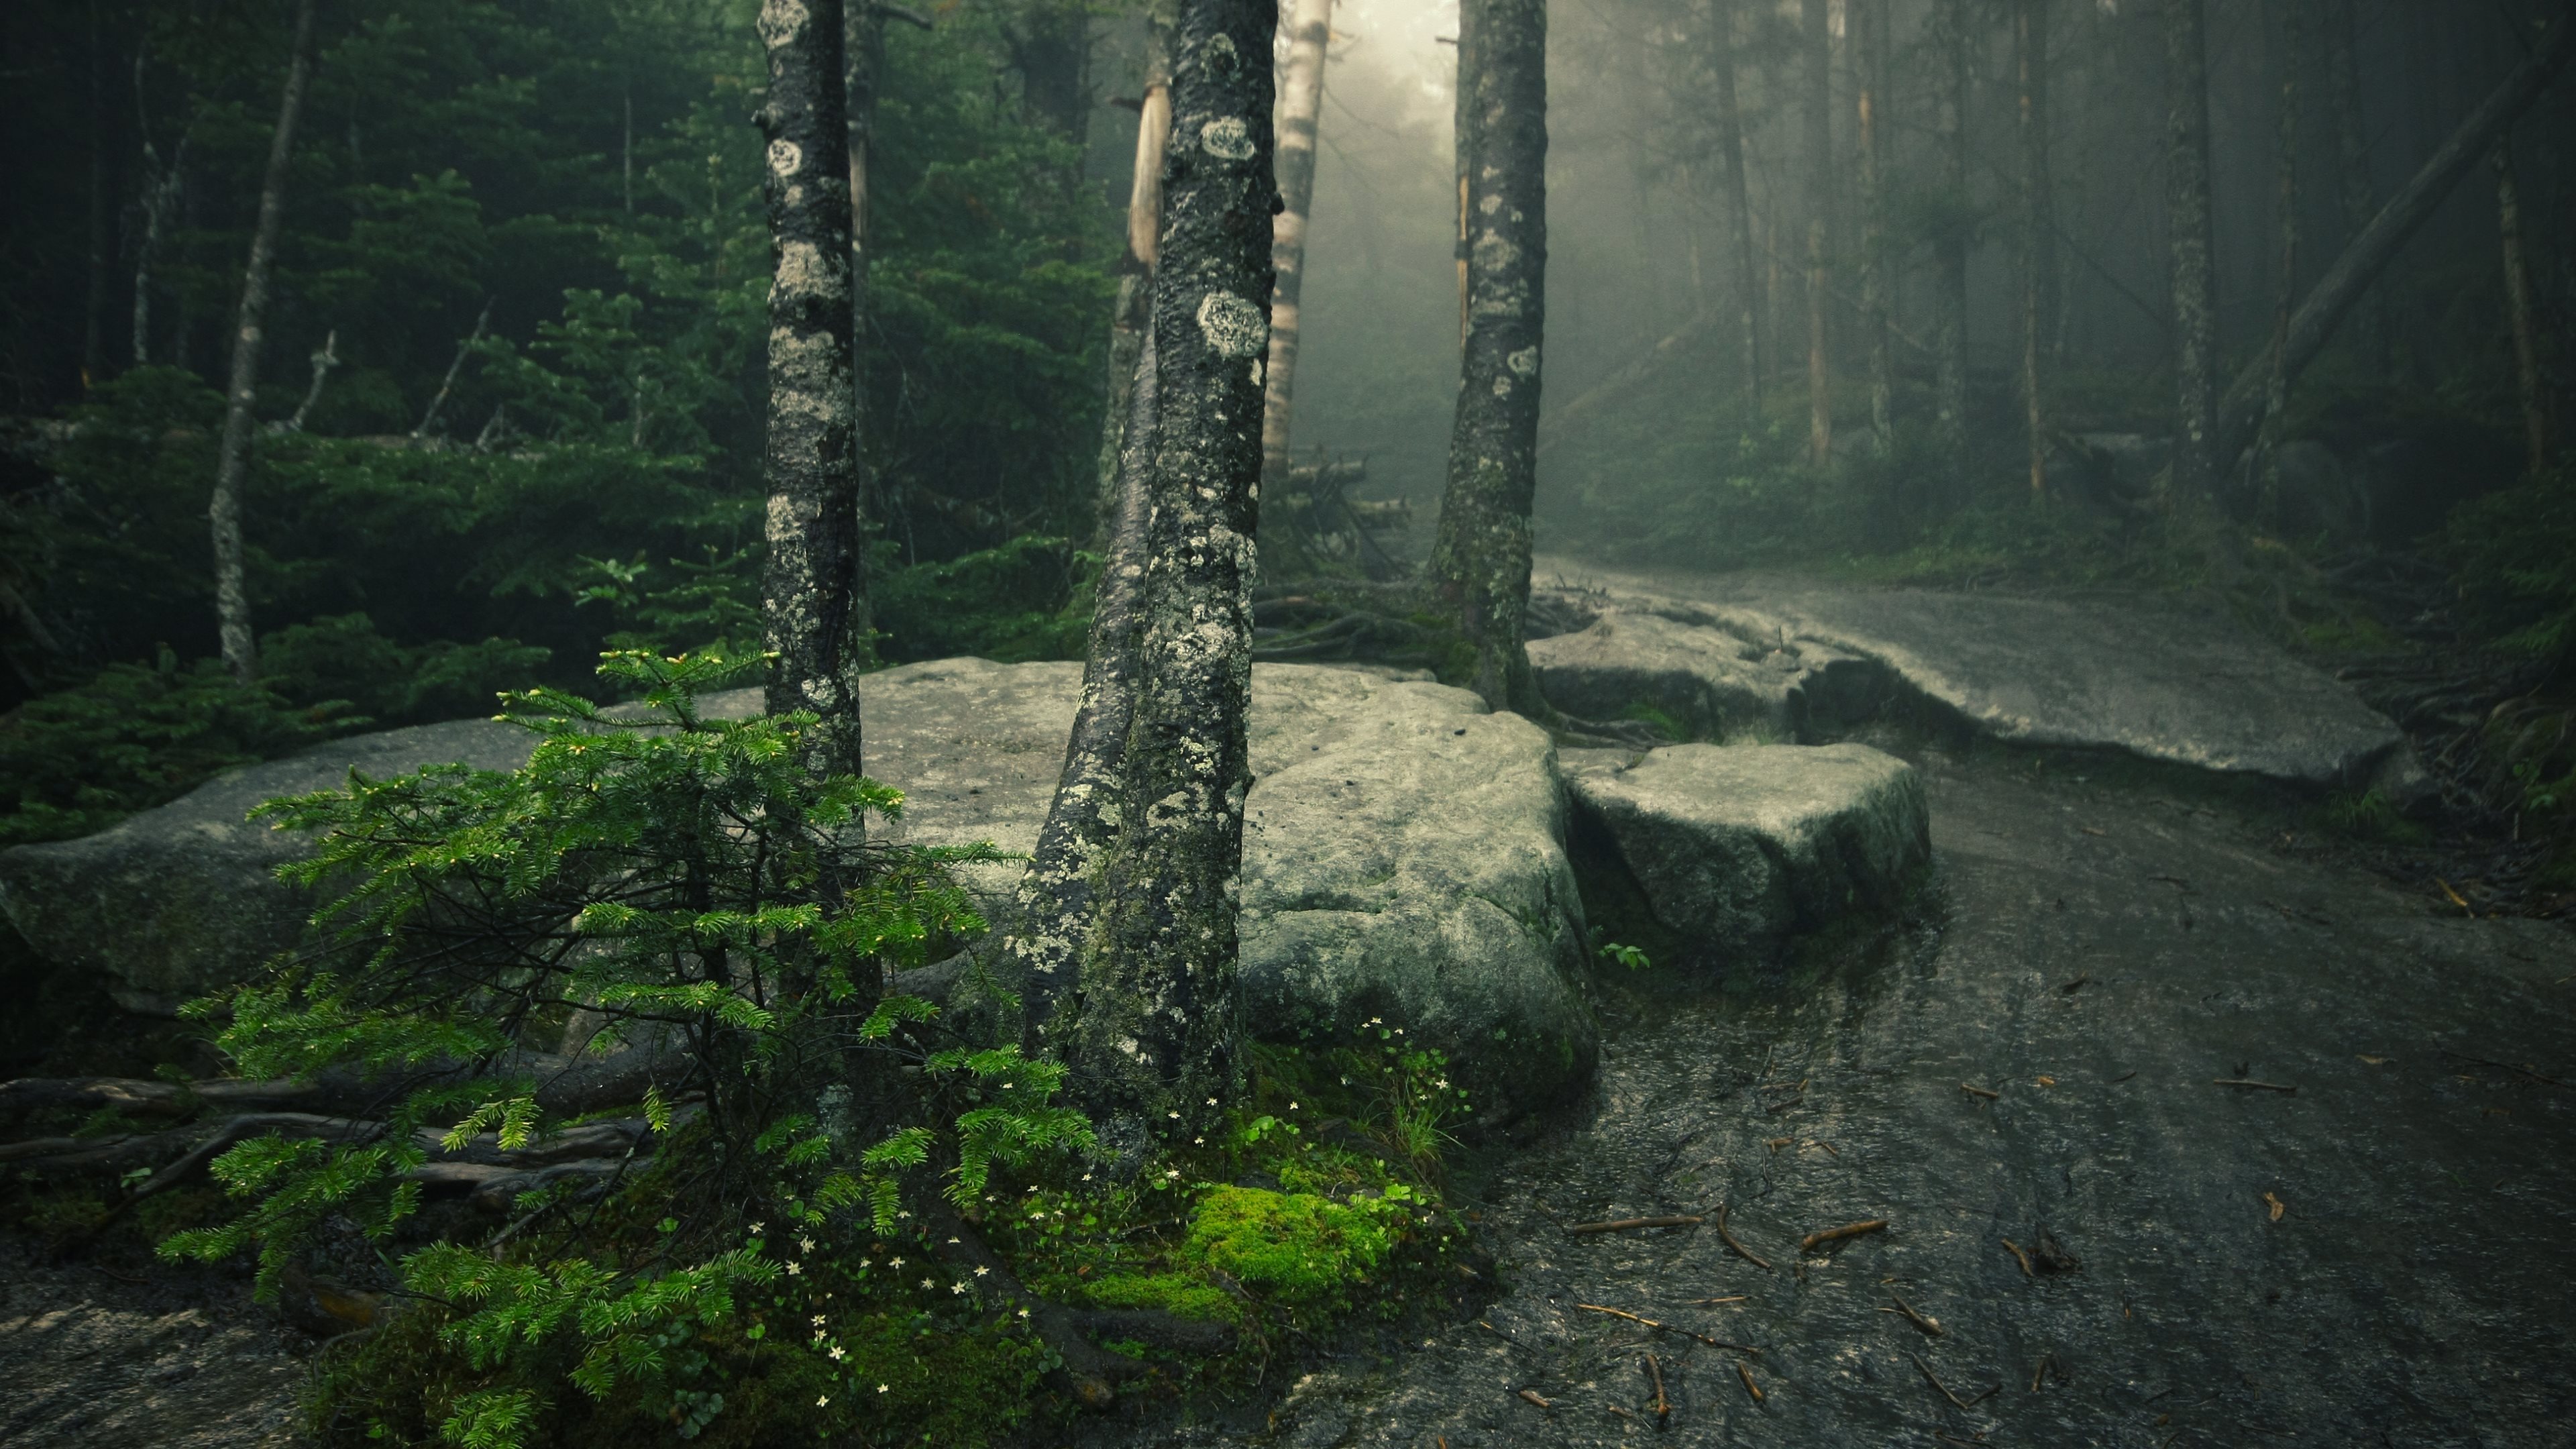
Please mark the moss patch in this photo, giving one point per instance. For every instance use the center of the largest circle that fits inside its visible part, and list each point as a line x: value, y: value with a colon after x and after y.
x: 1298, y: 1247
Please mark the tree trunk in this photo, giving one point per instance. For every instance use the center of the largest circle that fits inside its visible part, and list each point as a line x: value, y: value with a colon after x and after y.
x: 1819, y: 106
x: 232, y: 597
x: 814, y: 614
x: 1950, y: 245
x: 1131, y: 318
x: 160, y: 193
x: 1870, y: 21
x: 1150, y: 1032
x: 1051, y: 49
x: 2517, y: 302
x: 2038, y: 231
x: 2187, y: 219
x: 1480, y: 557
x: 2352, y: 151
x: 1748, y: 276
x: 2276, y: 393
x: 1301, y: 103
x: 2240, y: 413
x: 102, y: 214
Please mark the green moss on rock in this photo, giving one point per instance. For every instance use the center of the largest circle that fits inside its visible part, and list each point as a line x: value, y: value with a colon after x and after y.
x: 1296, y: 1247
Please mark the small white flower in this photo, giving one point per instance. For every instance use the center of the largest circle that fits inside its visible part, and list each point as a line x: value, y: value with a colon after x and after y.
x: 1086, y: 1177
x: 1198, y: 1142
x: 1292, y: 1106
x: 981, y: 1271
x: 1171, y: 1172
x: 957, y: 1287
x: 821, y: 1399
x: 1024, y: 1313
x: 881, y: 1388
x: 1175, y: 1116
x: 1211, y: 1101
x: 795, y: 1268
x: 806, y: 1243
x: 838, y: 1353
x: 756, y: 1227
x: 818, y: 1320
x: 926, y: 1283
x: 895, y: 1262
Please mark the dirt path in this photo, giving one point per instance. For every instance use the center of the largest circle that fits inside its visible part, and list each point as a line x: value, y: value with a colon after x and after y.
x: 93, y: 1356
x: 2407, y: 1290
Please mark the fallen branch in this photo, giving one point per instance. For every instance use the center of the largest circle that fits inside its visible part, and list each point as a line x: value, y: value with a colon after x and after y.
x: 1728, y: 1238
x: 1532, y: 1396
x: 1812, y: 1241
x: 2249, y: 1082
x: 1988, y: 1093
x: 1750, y: 1386
x: 1666, y: 1327
x: 1621, y: 1225
x: 2019, y: 1257
x: 1930, y: 1326
x: 1662, y: 1406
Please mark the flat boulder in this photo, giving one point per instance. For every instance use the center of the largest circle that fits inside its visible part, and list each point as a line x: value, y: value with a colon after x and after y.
x: 1735, y: 851
x: 1710, y: 683
x: 1403, y: 854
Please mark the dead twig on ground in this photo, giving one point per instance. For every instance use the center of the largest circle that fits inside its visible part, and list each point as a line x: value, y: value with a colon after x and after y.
x: 1728, y: 1238
x: 1814, y: 1240
x: 2503, y: 1067
x: 2020, y: 1257
x: 1935, y: 1381
x: 1666, y: 1327
x: 1986, y: 1092
x: 1662, y: 1406
x: 1621, y: 1225
x: 1704, y: 1302
x: 2039, y: 1371
x: 1750, y: 1386
x: 2251, y: 1084
x: 1928, y: 1324
x: 1531, y: 1396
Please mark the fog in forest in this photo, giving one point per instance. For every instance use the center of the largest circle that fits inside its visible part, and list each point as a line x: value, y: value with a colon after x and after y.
x: 1151, y: 724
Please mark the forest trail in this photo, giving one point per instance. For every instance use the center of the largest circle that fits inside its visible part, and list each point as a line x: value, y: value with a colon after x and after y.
x: 2359, y: 1261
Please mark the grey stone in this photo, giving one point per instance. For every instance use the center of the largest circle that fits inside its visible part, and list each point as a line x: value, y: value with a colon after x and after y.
x: 1403, y: 853
x: 2136, y: 675
x: 1739, y: 849
x: 1714, y: 684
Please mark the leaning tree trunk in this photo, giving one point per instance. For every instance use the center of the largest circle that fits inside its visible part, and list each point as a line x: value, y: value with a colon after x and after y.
x: 232, y: 596
x: 814, y: 614
x: 1150, y: 1029
x: 2334, y: 294
x: 1820, y: 161
x: 1730, y: 139
x: 1131, y: 318
x: 1301, y: 104
x: 2187, y: 220
x: 1870, y: 23
x: 2517, y: 302
x: 1950, y: 246
x: 1480, y: 557
x: 2038, y: 231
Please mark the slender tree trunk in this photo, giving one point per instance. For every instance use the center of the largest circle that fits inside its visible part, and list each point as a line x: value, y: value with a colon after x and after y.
x: 2333, y: 296
x: 1301, y: 104
x: 1151, y: 1030
x: 1131, y: 318
x: 1739, y: 202
x: 2038, y: 231
x: 1051, y: 49
x: 626, y: 148
x: 102, y: 214
x: 1869, y: 21
x: 1819, y: 108
x: 2187, y: 219
x: 1950, y: 245
x: 863, y: 24
x: 232, y: 597
x: 1462, y: 131
x: 160, y: 194
x: 814, y: 615
x: 2517, y: 299
x: 1480, y: 557
x: 2276, y: 392
x: 2352, y: 151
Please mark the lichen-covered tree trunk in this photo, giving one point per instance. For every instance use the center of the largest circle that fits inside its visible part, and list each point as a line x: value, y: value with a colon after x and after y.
x: 1150, y: 1028
x: 1950, y: 242
x: 1480, y: 558
x: 863, y: 73
x: 2038, y: 231
x: 2187, y: 225
x: 1301, y: 104
x: 1869, y: 21
x: 1818, y: 103
x: 232, y: 463
x: 1730, y: 140
x: 1131, y: 317
x: 2518, y: 313
x: 814, y: 614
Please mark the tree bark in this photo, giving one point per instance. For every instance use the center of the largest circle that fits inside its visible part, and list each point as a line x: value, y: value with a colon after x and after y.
x: 2517, y: 301
x: 2334, y: 294
x: 2352, y: 151
x: 160, y: 193
x: 1730, y: 139
x: 1819, y: 107
x: 1301, y: 104
x: 1131, y: 318
x: 2038, y: 231
x: 232, y: 597
x: 102, y: 214
x: 1869, y: 21
x: 1950, y: 245
x: 814, y: 615
x: 2187, y: 219
x: 1150, y: 1031
x: 2276, y: 392
x: 1480, y: 557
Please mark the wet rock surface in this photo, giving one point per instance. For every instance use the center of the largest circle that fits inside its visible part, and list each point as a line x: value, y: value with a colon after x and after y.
x: 1736, y: 849
x: 2101, y: 955
x: 2140, y: 676
x: 93, y: 1356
